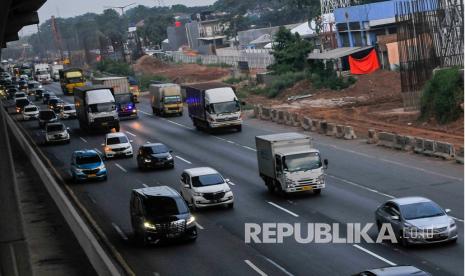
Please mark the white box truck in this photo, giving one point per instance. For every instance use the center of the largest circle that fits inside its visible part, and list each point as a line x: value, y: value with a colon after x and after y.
x: 54, y: 70
x: 41, y: 73
x: 213, y: 105
x: 125, y: 101
x: 96, y: 108
x: 287, y: 163
x: 166, y: 99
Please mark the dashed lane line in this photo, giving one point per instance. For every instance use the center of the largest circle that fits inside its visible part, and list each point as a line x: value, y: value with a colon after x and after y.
x: 121, y: 167
x: 283, y: 209
x: 374, y: 254
x: 180, y: 158
x: 119, y: 231
x: 254, y: 267
x: 84, y: 140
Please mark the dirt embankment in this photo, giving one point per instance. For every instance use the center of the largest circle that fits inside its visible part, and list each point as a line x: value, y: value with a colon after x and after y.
x: 179, y: 73
x: 374, y: 101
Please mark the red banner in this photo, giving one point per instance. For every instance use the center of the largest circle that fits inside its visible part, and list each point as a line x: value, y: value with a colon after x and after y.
x: 365, y: 65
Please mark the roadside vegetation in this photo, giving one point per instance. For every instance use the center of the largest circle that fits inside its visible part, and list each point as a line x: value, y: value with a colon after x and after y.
x: 443, y: 96
x: 290, y: 53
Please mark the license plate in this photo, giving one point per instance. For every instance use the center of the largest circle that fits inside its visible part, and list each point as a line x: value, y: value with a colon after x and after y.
x: 104, y: 124
x: 306, y: 188
x: 92, y: 175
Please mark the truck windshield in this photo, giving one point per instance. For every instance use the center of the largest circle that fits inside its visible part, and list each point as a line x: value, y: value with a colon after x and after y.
x: 302, y: 162
x: 75, y: 80
x: 225, y: 107
x: 101, y: 107
x: 172, y: 99
x: 126, y: 98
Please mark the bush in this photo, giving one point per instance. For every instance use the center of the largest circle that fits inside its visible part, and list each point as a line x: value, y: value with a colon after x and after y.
x: 442, y: 96
x: 284, y: 81
x: 233, y: 80
x: 115, y: 68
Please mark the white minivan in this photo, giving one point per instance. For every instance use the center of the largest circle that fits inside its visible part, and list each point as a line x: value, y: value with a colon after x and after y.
x: 204, y: 186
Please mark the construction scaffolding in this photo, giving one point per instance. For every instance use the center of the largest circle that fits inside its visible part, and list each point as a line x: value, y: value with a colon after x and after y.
x: 430, y: 35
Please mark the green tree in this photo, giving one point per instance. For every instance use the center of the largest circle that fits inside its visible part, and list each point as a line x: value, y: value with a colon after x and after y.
x: 290, y: 52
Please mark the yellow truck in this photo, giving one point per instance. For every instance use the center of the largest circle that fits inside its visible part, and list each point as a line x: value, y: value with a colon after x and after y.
x: 71, y: 78
x: 166, y: 99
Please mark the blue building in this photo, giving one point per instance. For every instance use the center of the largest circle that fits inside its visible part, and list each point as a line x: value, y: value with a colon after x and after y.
x: 359, y: 26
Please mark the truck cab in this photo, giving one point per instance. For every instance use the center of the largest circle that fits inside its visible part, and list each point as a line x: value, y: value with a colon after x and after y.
x: 166, y: 99
x: 288, y: 163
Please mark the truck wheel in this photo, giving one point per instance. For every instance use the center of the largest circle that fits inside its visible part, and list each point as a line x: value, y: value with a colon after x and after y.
x: 239, y: 128
x: 317, y: 191
x: 154, y: 111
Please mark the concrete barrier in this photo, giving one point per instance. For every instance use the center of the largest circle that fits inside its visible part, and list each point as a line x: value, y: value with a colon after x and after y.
x: 386, y: 139
x: 444, y: 150
x: 339, y: 131
x: 330, y: 129
x: 281, y: 117
x: 256, y: 111
x: 265, y: 113
x: 459, y: 155
x: 315, y: 125
x: 418, y: 145
x: 296, y: 119
x: 274, y: 115
x: 306, y: 123
x: 322, y: 127
x: 287, y: 118
x: 103, y: 263
x: 429, y: 147
x: 402, y: 142
x: 372, y: 136
x: 349, y: 133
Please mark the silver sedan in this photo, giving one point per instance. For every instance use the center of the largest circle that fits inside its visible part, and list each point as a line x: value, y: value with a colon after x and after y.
x: 417, y: 220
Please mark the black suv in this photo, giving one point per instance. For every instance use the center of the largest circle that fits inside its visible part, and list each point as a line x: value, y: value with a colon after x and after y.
x: 155, y: 155
x: 160, y: 213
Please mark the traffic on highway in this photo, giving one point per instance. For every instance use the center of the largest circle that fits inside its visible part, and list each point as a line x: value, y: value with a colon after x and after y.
x: 201, y: 189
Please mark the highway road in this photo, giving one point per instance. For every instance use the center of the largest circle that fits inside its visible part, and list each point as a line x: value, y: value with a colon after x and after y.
x: 360, y: 177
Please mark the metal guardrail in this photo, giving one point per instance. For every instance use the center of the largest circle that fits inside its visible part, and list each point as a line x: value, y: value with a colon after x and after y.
x: 90, y: 243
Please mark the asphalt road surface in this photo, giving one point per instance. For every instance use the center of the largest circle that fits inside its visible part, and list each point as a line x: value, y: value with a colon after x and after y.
x: 360, y: 177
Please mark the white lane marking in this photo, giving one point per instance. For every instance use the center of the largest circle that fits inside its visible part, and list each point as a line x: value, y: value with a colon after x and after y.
x: 278, y: 266
x: 118, y: 230
x: 178, y: 124
x: 391, y: 161
x: 188, y: 162
x: 132, y: 134
x: 373, y: 190
x: 283, y: 209
x: 254, y: 267
x: 92, y: 199
x: 360, y: 186
x: 231, y: 142
x: 374, y: 254
x: 121, y: 167
x: 99, y: 152
x: 199, y: 226
x: 84, y: 140
x: 146, y: 113
x: 249, y: 148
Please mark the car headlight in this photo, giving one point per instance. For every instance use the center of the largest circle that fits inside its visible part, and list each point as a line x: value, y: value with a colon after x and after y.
x: 198, y: 194
x: 190, y: 220
x: 107, y: 149
x: 147, y: 160
x: 289, y: 182
x: 321, y: 178
x: 149, y: 225
x: 101, y: 167
x: 169, y: 157
x: 452, y: 223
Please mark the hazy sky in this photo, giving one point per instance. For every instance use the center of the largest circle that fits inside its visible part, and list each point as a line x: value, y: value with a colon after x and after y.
x: 69, y: 8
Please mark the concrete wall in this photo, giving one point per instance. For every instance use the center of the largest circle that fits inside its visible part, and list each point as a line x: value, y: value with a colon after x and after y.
x: 177, y: 37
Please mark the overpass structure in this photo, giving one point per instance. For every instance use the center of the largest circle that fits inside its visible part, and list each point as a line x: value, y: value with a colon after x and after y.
x: 14, y: 15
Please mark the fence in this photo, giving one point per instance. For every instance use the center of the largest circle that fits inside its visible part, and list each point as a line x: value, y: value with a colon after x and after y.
x: 255, y: 60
